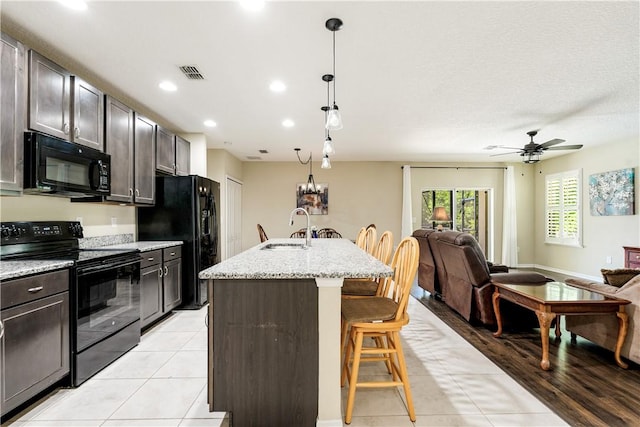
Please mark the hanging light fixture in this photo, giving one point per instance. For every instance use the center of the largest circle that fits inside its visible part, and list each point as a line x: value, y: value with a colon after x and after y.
x: 310, y: 188
x: 334, y: 120
x: 326, y: 163
x: 327, y: 148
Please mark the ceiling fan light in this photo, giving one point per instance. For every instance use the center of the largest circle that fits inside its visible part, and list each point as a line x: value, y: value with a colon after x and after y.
x: 530, y: 158
x: 326, y: 163
x: 334, y: 120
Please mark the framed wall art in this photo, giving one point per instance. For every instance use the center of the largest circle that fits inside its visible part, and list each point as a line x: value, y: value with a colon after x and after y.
x: 612, y: 193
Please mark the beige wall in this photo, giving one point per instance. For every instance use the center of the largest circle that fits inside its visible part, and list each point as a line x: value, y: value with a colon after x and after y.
x: 360, y: 193
x: 603, y: 236
x: 96, y: 217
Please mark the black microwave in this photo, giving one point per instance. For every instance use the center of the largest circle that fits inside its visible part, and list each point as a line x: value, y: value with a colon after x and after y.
x: 62, y: 168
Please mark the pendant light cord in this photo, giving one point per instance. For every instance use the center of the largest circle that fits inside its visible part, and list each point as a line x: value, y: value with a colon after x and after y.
x: 334, y: 67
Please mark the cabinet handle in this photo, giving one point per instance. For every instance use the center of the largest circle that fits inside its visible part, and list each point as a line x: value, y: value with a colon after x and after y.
x: 173, y: 254
x: 137, y: 193
x: 166, y: 270
x: 76, y: 132
x: 160, y: 272
x: 131, y: 192
x: 150, y: 259
x: 65, y: 128
x: 206, y: 319
x: 1, y: 329
x: 36, y: 289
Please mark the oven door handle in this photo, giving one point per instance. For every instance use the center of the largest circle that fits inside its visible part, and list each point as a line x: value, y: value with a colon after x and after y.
x: 86, y: 270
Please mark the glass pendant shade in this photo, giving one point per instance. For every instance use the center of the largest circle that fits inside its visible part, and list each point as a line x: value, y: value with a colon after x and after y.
x: 328, y: 147
x: 334, y: 120
x: 326, y: 163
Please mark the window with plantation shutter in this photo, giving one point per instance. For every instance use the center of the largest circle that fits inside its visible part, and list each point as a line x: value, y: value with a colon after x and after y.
x: 563, y: 208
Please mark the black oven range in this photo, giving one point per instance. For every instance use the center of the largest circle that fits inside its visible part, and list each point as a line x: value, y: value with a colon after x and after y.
x: 104, y: 290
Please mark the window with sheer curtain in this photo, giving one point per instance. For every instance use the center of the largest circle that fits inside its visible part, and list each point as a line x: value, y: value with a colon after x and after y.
x: 563, y: 208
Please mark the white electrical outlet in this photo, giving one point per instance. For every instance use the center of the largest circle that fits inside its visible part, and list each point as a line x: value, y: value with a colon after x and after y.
x: 114, y: 221
x: 608, y: 260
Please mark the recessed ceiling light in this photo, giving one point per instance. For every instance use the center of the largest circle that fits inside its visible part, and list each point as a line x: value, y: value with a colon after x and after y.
x: 168, y: 86
x: 252, y: 5
x: 277, y: 86
x: 210, y: 123
x: 287, y: 123
x: 74, y: 4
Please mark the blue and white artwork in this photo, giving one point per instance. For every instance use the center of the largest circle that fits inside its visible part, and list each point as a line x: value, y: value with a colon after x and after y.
x: 612, y: 193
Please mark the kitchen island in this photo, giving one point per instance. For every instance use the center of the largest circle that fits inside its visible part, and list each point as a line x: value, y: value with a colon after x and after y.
x: 274, y: 330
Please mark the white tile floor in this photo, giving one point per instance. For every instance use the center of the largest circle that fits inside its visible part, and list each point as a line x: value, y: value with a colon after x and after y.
x: 162, y: 382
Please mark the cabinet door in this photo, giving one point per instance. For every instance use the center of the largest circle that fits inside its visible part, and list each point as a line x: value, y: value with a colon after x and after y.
x: 172, y: 284
x: 165, y: 151
x: 119, y: 144
x: 183, y: 156
x: 12, y: 113
x: 145, y: 161
x: 150, y: 294
x: 49, y: 97
x: 88, y: 115
x: 34, y: 350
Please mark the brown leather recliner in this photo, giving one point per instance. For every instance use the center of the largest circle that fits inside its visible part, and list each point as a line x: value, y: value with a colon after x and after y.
x: 466, y: 279
x: 427, y: 275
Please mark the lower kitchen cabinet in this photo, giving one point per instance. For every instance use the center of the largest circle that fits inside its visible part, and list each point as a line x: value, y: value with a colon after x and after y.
x: 160, y: 283
x: 34, y: 336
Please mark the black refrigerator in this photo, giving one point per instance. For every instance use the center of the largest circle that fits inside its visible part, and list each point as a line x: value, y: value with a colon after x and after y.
x: 187, y: 209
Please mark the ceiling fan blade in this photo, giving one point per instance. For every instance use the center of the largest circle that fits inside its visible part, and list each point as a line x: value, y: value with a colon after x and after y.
x: 502, y: 154
x: 567, y: 147
x: 547, y: 144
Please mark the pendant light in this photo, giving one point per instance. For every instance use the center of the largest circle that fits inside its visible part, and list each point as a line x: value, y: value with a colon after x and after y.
x: 327, y: 148
x: 326, y: 163
x: 334, y: 120
x: 310, y: 188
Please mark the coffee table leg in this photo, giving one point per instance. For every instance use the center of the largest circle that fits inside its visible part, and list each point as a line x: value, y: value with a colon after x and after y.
x: 623, y: 325
x: 496, y: 310
x: 545, y: 318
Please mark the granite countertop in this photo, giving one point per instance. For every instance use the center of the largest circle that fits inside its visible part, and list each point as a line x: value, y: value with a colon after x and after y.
x: 13, y: 269
x: 146, y: 246
x: 326, y: 258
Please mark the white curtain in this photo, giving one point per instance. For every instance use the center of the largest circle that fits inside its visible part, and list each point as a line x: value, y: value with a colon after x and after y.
x: 510, y: 225
x: 407, y: 223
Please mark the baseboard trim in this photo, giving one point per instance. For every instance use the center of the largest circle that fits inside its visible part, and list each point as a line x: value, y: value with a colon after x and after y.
x: 568, y: 273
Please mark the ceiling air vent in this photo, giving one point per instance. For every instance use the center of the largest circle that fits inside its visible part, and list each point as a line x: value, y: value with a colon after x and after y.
x: 263, y: 151
x: 254, y: 158
x: 192, y: 72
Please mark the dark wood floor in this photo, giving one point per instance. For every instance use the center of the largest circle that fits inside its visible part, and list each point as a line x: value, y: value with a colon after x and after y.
x: 585, y: 386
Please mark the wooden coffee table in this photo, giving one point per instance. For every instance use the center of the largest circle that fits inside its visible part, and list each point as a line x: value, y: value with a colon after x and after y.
x: 553, y: 299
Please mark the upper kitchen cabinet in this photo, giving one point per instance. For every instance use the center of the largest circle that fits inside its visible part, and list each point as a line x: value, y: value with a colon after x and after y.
x: 63, y: 105
x: 12, y: 113
x: 119, y: 144
x: 172, y: 153
x: 144, y: 160
x: 130, y: 139
x: 183, y: 156
x: 165, y: 151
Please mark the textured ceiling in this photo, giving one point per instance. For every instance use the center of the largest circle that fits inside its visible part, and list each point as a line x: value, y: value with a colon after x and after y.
x: 415, y: 81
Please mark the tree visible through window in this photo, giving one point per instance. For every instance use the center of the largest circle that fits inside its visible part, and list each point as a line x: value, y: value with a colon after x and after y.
x: 463, y: 202
x: 563, y: 208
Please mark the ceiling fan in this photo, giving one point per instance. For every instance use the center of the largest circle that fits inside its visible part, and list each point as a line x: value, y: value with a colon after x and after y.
x: 531, y: 152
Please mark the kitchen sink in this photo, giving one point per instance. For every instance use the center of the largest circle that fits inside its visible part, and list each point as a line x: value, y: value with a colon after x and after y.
x: 284, y: 246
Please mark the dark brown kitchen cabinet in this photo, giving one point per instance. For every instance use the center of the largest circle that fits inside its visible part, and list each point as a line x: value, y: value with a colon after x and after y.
x: 34, y: 336
x: 183, y: 156
x: 165, y: 151
x: 63, y: 105
x: 151, y: 308
x: 172, y: 278
x: 12, y: 113
x: 160, y: 283
x: 119, y: 144
x: 144, y: 190
x: 172, y: 153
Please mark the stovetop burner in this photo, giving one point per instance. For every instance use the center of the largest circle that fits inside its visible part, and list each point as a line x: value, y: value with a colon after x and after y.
x: 50, y: 240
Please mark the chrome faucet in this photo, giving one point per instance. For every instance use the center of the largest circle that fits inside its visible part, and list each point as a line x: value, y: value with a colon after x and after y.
x: 308, y: 238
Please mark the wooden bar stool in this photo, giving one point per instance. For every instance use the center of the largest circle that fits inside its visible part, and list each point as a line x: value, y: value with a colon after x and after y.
x: 381, y: 318
x: 369, y: 287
